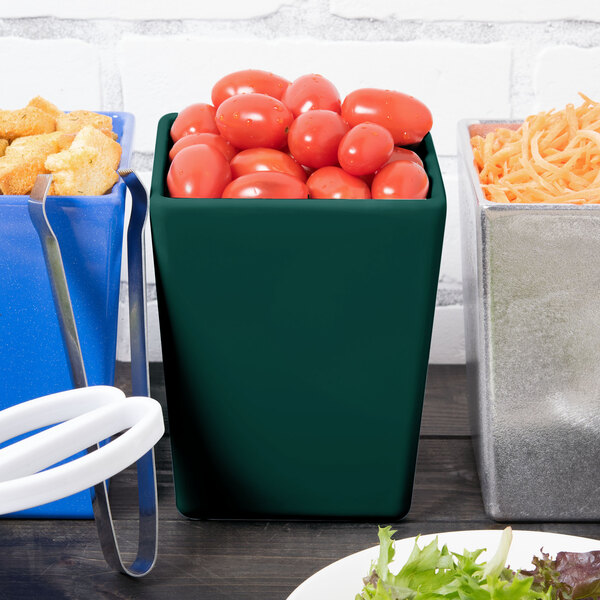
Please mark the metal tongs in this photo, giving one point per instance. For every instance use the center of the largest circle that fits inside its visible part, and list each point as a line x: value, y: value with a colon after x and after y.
x: 89, y: 413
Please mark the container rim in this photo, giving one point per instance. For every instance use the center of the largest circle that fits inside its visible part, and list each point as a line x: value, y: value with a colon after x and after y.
x: 435, y: 198
x: 469, y: 127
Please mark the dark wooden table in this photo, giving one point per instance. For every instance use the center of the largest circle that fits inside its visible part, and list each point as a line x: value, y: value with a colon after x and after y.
x: 249, y: 560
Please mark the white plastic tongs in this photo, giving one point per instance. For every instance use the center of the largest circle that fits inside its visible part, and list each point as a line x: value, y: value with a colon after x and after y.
x: 88, y: 415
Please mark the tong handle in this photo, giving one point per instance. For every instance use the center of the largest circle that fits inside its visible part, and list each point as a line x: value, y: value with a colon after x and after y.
x: 140, y: 381
x: 86, y: 415
x: 58, y: 279
x: 147, y: 492
x: 136, y: 271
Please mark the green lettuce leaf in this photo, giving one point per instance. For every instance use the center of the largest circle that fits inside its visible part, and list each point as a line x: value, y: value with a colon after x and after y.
x: 434, y: 573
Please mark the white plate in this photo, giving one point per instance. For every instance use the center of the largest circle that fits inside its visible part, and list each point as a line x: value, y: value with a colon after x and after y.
x: 342, y: 580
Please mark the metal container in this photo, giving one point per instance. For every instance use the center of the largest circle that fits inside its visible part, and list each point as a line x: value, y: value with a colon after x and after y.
x: 33, y: 362
x: 295, y: 340
x: 531, y: 279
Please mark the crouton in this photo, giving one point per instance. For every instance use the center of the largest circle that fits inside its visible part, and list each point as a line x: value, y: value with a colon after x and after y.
x: 110, y: 150
x: 18, y: 176
x: 74, y: 121
x: 40, y: 145
x: 78, y: 148
x: 24, y: 160
x: 88, y: 167
x: 25, y: 121
x: 46, y: 106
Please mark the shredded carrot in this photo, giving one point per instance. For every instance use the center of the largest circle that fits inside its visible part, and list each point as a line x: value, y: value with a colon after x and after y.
x: 553, y: 157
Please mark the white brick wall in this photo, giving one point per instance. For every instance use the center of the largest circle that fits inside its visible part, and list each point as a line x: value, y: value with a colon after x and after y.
x: 49, y: 68
x: 561, y: 71
x: 138, y: 10
x: 464, y: 59
x: 425, y: 70
x: 467, y: 10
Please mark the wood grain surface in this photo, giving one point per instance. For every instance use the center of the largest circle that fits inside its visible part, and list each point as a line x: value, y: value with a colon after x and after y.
x: 253, y: 560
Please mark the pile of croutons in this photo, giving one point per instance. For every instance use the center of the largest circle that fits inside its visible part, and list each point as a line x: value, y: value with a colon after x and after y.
x: 78, y: 148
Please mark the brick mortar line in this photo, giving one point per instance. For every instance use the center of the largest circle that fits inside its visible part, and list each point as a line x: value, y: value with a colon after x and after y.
x: 110, y: 76
x: 582, y: 34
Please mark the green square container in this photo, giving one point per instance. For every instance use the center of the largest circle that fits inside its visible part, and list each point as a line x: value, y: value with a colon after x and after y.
x: 295, y: 338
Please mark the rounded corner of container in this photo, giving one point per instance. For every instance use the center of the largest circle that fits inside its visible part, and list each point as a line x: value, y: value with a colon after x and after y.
x: 464, y: 124
x: 127, y: 117
x: 157, y: 197
x: 493, y: 511
x: 161, y: 155
x: 402, y: 513
x: 185, y: 512
x: 124, y: 129
x: 119, y: 190
x: 167, y: 119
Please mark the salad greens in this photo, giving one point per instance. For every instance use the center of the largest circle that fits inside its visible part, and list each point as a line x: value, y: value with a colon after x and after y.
x: 431, y: 573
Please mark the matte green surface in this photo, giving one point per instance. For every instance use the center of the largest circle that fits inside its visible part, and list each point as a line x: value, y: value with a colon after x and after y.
x: 295, y: 338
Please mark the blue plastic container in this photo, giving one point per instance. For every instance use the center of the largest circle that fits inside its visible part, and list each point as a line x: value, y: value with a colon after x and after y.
x: 33, y: 362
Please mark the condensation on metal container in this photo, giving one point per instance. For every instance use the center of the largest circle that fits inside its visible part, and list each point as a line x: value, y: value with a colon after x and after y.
x: 531, y: 278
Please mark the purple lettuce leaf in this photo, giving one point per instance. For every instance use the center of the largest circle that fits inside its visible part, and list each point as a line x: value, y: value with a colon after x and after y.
x: 572, y: 575
x: 581, y: 572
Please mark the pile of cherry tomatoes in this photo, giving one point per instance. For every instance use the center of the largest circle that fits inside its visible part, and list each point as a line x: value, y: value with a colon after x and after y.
x: 266, y: 137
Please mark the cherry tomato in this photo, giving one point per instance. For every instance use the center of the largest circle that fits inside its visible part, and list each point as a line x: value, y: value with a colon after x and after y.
x: 314, y: 138
x: 365, y: 148
x: 401, y: 179
x: 198, y: 171
x: 311, y: 92
x: 254, y: 121
x: 405, y: 117
x: 398, y: 154
x: 404, y: 154
x: 196, y: 118
x: 333, y: 182
x: 248, y: 82
x: 210, y: 139
x: 265, y: 159
x: 266, y: 184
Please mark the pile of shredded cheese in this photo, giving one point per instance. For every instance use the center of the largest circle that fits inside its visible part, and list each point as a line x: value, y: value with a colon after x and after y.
x: 553, y: 157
